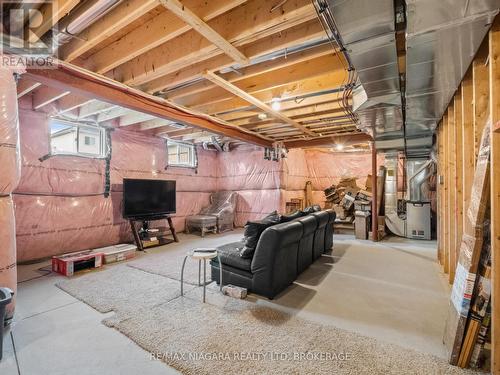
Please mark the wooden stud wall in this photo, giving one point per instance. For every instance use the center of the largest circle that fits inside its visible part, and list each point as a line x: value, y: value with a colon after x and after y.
x: 458, y: 136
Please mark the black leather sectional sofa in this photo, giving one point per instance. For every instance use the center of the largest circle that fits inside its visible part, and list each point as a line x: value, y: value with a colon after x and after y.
x: 283, y: 252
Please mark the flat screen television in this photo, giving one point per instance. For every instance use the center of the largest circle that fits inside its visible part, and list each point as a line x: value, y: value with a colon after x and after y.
x: 148, y: 198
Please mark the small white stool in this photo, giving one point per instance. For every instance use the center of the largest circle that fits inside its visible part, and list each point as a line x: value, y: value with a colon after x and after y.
x: 201, y: 254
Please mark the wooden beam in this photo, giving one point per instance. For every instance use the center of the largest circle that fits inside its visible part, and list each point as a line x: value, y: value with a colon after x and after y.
x: 45, y: 95
x: 185, y: 14
x: 306, y: 87
x: 452, y: 223
x: 51, y: 12
x: 94, y: 108
x: 134, y: 117
x: 256, y: 102
x: 112, y: 113
x: 82, y: 82
x: 25, y: 86
x: 468, y: 152
x: 70, y: 103
x: 330, y: 141
x: 124, y: 13
x: 440, y: 192
x: 458, y: 172
x: 274, y: 80
x: 239, y: 26
x: 446, y: 189
x: 275, y: 65
x: 156, y: 123
x: 480, y: 77
x: 287, y: 38
x: 494, y: 74
x: 160, y: 29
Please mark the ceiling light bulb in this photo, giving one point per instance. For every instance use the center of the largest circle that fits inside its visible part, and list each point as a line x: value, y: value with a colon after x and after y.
x: 339, y: 147
x: 262, y: 116
x: 276, y: 105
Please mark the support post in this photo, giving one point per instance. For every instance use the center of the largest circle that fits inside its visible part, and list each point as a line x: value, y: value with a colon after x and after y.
x: 374, y: 194
x: 494, y: 75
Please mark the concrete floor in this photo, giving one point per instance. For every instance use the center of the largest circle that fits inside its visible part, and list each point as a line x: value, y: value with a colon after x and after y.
x: 392, y: 290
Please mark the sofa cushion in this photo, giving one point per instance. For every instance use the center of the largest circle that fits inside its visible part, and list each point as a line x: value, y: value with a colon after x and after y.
x: 253, y: 230
x: 293, y: 216
x: 310, y: 209
x: 273, y: 218
x: 230, y: 254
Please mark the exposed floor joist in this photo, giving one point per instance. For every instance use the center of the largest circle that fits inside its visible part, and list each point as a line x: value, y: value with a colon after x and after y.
x: 185, y: 14
x: 249, y: 98
x: 81, y: 82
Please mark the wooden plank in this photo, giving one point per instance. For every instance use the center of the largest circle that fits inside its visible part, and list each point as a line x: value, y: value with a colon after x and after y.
x: 447, y: 215
x: 69, y: 103
x: 93, y: 108
x: 494, y: 71
x: 440, y: 195
x: 82, y: 82
x: 480, y: 77
x: 470, y: 251
x: 346, y: 140
x: 134, y: 117
x: 45, y: 95
x: 274, y: 80
x: 239, y: 26
x: 452, y: 224
x: 274, y: 65
x: 160, y: 29
x: 458, y: 172
x: 51, y: 13
x: 185, y: 14
x: 306, y: 87
x: 290, y: 37
x: 124, y: 13
x: 468, y: 148
x: 256, y: 102
x: 25, y: 86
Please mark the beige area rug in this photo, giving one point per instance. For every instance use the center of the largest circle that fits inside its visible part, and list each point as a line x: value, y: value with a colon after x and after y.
x: 229, y: 336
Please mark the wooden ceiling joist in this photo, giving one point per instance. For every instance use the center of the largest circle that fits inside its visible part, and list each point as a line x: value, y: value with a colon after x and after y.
x: 51, y: 12
x: 133, y: 118
x: 272, y: 80
x: 287, y: 38
x: 84, y: 83
x: 306, y: 87
x: 70, y: 103
x: 45, y: 95
x: 94, y: 108
x: 185, y: 14
x: 255, y: 70
x: 161, y: 29
x: 256, y: 102
x: 25, y: 86
x: 239, y: 26
x: 156, y: 123
x: 330, y: 140
x: 124, y: 13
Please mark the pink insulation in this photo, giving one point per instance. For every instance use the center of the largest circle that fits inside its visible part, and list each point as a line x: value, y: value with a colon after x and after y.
x: 60, y: 206
x: 10, y: 172
x: 257, y: 182
x: 10, y: 167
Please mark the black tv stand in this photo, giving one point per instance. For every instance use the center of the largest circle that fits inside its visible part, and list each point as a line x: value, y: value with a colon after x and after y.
x: 145, y: 237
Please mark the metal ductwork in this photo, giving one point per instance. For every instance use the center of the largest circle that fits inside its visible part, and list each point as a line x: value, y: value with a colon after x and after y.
x: 80, y: 18
x: 442, y: 38
x: 367, y: 31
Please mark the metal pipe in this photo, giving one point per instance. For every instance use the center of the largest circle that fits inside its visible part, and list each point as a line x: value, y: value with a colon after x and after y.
x: 374, y: 194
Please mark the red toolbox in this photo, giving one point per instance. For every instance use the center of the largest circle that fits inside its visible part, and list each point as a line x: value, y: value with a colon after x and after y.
x: 70, y: 263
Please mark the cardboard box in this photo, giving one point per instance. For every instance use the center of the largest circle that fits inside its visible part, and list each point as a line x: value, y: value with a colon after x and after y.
x: 361, y: 223
x: 118, y: 253
x: 68, y: 264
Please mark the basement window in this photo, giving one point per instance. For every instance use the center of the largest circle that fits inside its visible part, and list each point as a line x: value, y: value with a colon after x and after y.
x: 72, y: 138
x: 181, y: 154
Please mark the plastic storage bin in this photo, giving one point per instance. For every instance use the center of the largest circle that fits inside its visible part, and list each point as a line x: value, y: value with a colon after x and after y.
x: 5, y: 298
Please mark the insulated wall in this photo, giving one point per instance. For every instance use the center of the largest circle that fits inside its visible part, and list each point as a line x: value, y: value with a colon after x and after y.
x: 60, y: 205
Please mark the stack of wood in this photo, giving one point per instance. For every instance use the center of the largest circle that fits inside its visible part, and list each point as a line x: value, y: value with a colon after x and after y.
x: 469, y: 314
